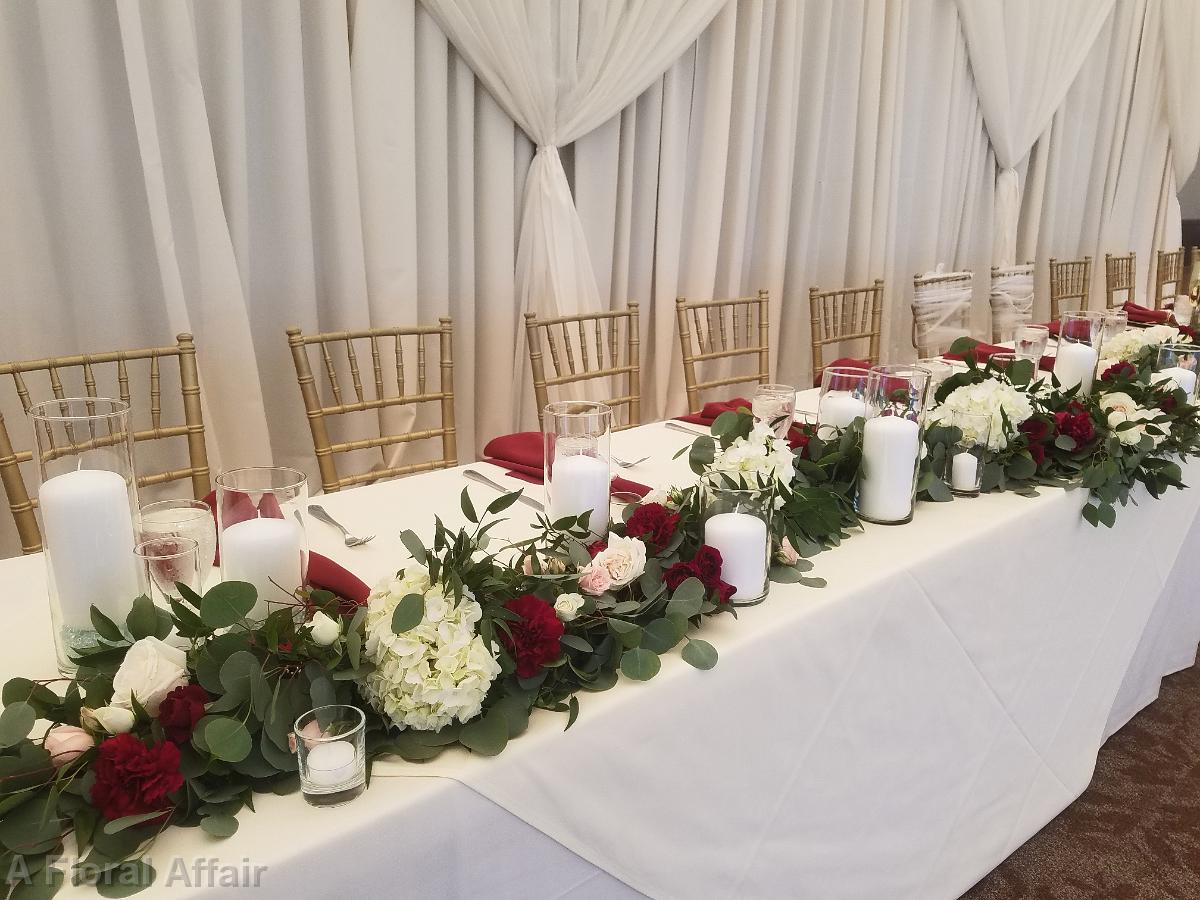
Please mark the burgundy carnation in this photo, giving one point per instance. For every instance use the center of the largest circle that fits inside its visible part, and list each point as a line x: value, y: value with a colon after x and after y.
x: 705, y: 566
x: 1075, y: 422
x: 182, y: 709
x: 532, y: 640
x: 133, y: 778
x: 1119, y: 370
x: 1167, y: 404
x: 654, y: 524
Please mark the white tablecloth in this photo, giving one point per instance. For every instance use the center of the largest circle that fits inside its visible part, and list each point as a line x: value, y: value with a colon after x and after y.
x: 894, y: 735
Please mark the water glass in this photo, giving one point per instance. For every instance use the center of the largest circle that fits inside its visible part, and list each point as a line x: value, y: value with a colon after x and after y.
x: 1115, y: 322
x: 164, y: 563
x: 842, y: 400
x: 964, y: 465
x: 1080, y: 337
x: 939, y: 370
x: 578, y: 461
x: 1178, y: 363
x: 775, y: 406
x: 1030, y: 341
x: 331, y: 750
x: 182, y: 518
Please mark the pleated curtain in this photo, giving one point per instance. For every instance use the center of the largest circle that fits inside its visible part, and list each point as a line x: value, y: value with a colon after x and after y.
x: 1181, y: 38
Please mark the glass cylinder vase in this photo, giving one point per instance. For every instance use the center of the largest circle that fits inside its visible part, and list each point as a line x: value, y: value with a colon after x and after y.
x: 578, y: 462
x: 1080, y: 335
x: 896, y: 406
x: 1178, y: 364
x: 261, y: 533
x: 843, y: 399
x: 88, y: 501
x: 737, y: 523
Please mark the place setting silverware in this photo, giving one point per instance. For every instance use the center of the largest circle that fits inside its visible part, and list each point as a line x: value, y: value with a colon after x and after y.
x: 627, y: 464
x: 480, y: 478
x: 319, y: 513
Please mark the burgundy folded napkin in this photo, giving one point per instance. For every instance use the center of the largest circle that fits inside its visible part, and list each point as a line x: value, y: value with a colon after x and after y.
x: 980, y: 351
x: 709, y: 413
x: 1053, y: 326
x: 323, y: 573
x: 1142, y: 315
x: 848, y: 362
x: 1046, y: 363
x: 520, y: 454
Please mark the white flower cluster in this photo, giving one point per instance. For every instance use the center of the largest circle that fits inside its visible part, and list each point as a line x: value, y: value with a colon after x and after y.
x: 617, y: 565
x: 1122, y: 408
x: 992, y: 398
x: 437, y: 672
x: 757, y: 459
x: 1129, y: 344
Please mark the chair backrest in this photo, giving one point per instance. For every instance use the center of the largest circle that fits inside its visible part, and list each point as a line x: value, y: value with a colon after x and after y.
x: 89, y: 366
x: 564, y: 335
x: 1011, y: 299
x: 846, y: 314
x: 723, y: 329
x: 1069, y: 280
x: 1120, y: 274
x: 1168, y: 270
x: 941, y: 310
x: 383, y: 343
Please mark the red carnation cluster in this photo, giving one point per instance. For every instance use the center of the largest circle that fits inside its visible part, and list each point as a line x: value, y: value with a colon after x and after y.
x: 533, y: 639
x: 1038, y: 432
x: 654, y: 524
x: 133, y: 778
x: 181, y: 710
x: 1075, y: 422
x: 1119, y: 370
x: 706, y: 566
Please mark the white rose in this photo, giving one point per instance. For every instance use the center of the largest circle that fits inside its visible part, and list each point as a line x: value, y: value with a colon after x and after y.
x: 325, y: 630
x: 150, y: 671
x: 567, y: 606
x: 624, y: 559
x: 113, y: 719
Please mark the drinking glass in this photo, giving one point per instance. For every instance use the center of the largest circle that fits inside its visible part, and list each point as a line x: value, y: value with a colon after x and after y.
x: 164, y: 562
x: 1114, y: 321
x: 87, y: 497
x: 842, y: 400
x: 182, y: 518
x: 964, y: 465
x: 897, y: 397
x: 1080, y: 337
x: 331, y: 750
x: 1178, y: 363
x: 939, y: 370
x: 775, y: 406
x: 261, y: 516
x: 577, y: 435
x: 737, y: 522
x: 1029, y: 342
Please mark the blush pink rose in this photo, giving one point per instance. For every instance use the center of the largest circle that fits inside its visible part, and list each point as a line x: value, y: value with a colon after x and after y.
x: 66, y: 743
x: 595, y: 580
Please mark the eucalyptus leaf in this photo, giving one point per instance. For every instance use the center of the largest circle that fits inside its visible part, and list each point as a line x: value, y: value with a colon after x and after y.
x: 487, y: 735
x: 227, y: 603
x: 16, y: 721
x: 41, y: 886
x: 414, y: 546
x: 408, y: 613
x: 125, y: 880
x: 700, y: 654
x: 219, y: 826
x: 227, y: 739
x: 142, y: 620
x: 640, y: 664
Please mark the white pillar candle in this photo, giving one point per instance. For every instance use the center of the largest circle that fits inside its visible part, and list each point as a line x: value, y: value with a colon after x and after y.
x: 1075, y: 364
x: 266, y: 553
x: 889, y: 462
x: 837, y: 410
x: 330, y: 765
x: 742, y: 541
x: 89, y: 543
x: 964, y: 472
x: 1185, y: 378
x: 579, y: 484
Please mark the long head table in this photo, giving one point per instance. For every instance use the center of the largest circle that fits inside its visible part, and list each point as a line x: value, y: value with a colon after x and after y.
x: 894, y: 735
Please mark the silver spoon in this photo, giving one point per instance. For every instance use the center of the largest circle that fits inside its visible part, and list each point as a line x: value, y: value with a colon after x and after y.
x: 479, y: 477
x: 318, y: 512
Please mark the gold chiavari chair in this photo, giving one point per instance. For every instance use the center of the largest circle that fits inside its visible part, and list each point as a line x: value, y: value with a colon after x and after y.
x: 375, y: 338
x: 723, y: 329
x: 1120, y: 274
x: 184, y: 352
x: 1168, y: 270
x: 1069, y: 280
x: 941, y: 310
x: 846, y: 314
x: 587, y: 327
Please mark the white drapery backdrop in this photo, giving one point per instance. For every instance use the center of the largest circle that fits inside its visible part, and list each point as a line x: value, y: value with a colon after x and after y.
x: 232, y: 168
x: 1181, y: 36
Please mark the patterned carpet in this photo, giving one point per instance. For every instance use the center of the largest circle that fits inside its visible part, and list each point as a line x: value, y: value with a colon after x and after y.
x: 1135, y: 832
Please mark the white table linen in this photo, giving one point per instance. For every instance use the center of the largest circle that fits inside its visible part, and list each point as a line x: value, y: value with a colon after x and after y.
x: 895, y: 735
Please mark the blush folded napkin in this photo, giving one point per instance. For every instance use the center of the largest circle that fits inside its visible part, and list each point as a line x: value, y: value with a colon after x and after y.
x: 323, y: 573
x: 520, y: 454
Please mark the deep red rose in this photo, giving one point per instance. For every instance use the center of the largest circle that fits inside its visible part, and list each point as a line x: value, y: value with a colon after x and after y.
x: 724, y: 590
x: 1036, y: 429
x: 1075, y: 422
x: 595, y: 547
x: 181, y: 710
x: 132, y: 778
x: 1119, y: 370
x: 799, y: 436
x: 678, y: 574
x: 1167, y: 404
x: 533, y: 641
x: 654, y: 524
x: 707, y: 563
x: 705, y: 566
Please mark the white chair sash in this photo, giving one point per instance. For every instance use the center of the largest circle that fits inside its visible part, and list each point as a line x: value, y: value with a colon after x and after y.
x: 941, y: 311
x: 1012, y: 300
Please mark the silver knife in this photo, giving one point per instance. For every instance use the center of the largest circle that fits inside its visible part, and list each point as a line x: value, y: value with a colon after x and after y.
x: 686, y: 429
x: 479, y: 477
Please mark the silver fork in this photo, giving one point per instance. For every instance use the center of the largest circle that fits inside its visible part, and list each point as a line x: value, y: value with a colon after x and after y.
x: 627, y: 464
x: 318, y: 512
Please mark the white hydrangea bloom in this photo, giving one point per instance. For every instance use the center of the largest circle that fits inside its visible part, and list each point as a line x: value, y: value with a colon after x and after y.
x: 1122, y: 408
x: 759, y: 457
x: 436, y: 673
x: 1129, y: 344
x: 992, y: 398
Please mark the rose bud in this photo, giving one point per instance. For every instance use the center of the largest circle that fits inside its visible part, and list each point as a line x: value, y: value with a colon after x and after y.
x: 66, y: 743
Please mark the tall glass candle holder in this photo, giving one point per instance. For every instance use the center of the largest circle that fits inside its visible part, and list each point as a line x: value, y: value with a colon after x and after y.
x: 964, y: 464
x: 1080, y: 336
x: 88, y: 498
x: 737, y: 523
x: 331, y: 754
x: 261, y: 531
x: 843, y: 399
x: 1178, y: 363
x: 775, y: 406
x: 578, y: 461
x: 896, y: 406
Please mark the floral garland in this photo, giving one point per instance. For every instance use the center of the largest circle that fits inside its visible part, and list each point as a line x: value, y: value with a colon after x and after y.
x: 464, y: 642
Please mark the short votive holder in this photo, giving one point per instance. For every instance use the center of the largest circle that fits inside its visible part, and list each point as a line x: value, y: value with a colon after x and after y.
x: 774, y: 405
x: 964, y: 464
x: 1178, y: 364
x: 737, y: 523
x: 166, y: 562
x: 331, y: 750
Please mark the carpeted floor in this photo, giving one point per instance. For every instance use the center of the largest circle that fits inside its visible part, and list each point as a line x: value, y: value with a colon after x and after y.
x: 1135, y: 832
